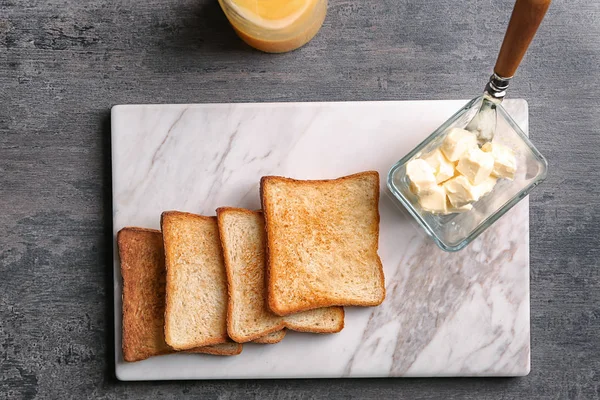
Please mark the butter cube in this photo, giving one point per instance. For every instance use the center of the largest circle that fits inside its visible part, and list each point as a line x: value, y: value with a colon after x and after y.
x: 457, y: 142
x: 476, y: 165
x: 465, y: 208
x: 421, y: 175
x: 485, y: 187
x: 505, y: 162
x: 444, y: 169
x: 434, y: 200
x: 462, y: 192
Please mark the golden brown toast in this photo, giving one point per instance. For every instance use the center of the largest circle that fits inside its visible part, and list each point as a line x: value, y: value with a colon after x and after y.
x: 322, y: 242
x: 224, y: 349
x: 271, y: 338
x: 143, y: 271
x: 196, y: 284
x: 243, y: 240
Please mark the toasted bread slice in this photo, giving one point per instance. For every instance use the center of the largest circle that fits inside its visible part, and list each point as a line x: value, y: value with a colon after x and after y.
x: 318, y: 320
x: 223, y: 349
x: 322, y: 242
x: 196, y: 284
x: 143, y: 271
x: 271, y: 338
x: 248, y: 317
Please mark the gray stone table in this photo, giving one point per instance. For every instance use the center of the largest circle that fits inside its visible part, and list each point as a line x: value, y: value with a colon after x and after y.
x: 64, y: 63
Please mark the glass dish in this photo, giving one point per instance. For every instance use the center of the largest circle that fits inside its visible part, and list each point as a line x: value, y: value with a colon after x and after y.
x: 455, y: 231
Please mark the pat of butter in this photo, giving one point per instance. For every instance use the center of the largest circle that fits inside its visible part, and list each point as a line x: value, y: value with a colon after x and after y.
x: 476, y: 165
x: 434, y: 200
x: 421, y: 175
x: 485, y: 187
x: 465, y: 208
x: 505, y: 162
x: 461, y: 192
x: 457, y: 174
x: 444, y: 169
x: 457, y: 142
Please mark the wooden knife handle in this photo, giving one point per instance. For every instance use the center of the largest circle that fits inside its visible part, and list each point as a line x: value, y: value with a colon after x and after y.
x: 524, y: 22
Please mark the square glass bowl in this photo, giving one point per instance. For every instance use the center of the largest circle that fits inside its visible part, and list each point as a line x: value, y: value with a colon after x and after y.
x: 455, y: 231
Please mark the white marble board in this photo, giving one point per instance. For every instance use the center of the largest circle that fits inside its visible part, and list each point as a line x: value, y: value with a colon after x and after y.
x: 445, y: 314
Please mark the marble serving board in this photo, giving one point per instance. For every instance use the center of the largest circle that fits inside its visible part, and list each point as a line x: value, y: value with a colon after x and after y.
x: 445, y: 314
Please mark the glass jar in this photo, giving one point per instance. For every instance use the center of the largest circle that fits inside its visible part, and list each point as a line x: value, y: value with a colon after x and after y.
x: 275, y: 26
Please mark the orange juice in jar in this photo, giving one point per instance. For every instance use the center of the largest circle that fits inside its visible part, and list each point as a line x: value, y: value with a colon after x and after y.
x: 275, y: 26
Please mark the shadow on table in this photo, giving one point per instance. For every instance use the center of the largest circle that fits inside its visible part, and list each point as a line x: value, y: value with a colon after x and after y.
x: 382, y: 388
x: 201, y: 27
x: 108, y: 249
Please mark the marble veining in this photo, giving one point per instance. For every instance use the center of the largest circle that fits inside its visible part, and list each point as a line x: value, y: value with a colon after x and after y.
x: 445, y: 314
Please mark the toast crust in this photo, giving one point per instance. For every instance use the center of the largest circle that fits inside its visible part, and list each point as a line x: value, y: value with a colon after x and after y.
x: 141, y: 256
x: 139, y: 247
x: 171, y: 287
x: 223, y: 349
x: 229, y: 270
x: 339, y: 317
x: 316, y: 301
x: 289, y: 323
x: 271, y: 338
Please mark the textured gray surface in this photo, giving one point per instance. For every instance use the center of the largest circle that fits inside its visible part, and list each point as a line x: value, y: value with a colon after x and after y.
x: 64, y: 63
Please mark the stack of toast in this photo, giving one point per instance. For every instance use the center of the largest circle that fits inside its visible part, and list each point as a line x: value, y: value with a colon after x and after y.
x: 209, y: 284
